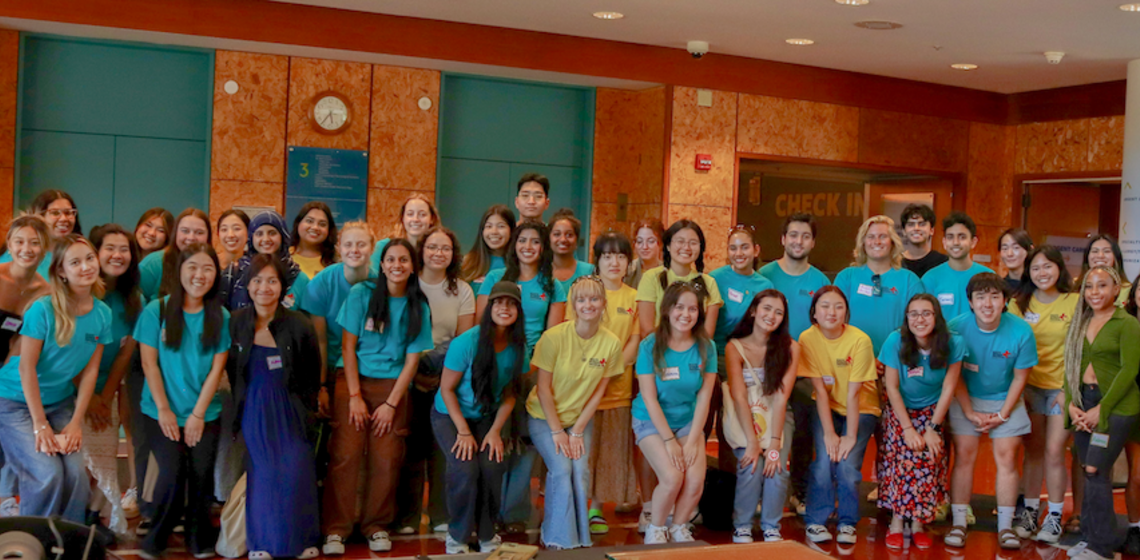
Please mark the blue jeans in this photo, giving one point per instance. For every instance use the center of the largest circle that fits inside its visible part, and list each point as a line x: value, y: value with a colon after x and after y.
x: 566, y: 518
x: 519, y: 464
x: 49, y: 484
x: 9, y: 486
x: 750, y: 486
x: 828, y: 481
x: 472, y: 487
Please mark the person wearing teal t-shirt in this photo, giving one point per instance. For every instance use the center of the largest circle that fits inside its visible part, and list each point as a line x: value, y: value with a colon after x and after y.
x: 530, y: 265
x: 184, y: 339
x: 62, y: 339
x: 876, y: 285
x: 676, y: 370
x: 947, y: 281
x: 922, y: 361
x: 417, y: 215
x: 477, y: 392
x: 489, y: 250
x: 58, y: 209
x: 565, y: 230
x: 1000, y: 350
x: 387, y: 325
x: 156, y: 272
x: 738, y: 282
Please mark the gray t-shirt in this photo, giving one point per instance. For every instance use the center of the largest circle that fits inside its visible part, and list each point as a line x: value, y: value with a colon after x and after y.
x: 446, y: 308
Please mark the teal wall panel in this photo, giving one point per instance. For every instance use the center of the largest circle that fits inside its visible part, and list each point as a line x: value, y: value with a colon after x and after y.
x: 153, y: 172
x: 479, y: 184
x: 81, y: 164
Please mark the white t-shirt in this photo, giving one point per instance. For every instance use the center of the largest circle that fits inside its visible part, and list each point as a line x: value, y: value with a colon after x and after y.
x: 446, y: 308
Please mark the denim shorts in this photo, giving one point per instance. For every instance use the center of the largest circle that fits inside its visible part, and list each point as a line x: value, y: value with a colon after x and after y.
x: 645, y: 428
x: 1041, y: 401
x: 1017, y: 425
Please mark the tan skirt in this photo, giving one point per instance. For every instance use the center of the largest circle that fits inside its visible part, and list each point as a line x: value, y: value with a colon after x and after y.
x: 613, y: 478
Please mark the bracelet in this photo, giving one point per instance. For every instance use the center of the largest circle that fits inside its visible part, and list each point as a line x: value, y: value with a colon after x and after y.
x: 558, y: 432
x: 572, y: 434
x: 1002, y: 418
x: 389, y: 404
x: 670, y: 439
x: 354, y: 395
x: 202, y: 418
x: 910, y: 427
x: 36, y: 431
x: 464, y: 435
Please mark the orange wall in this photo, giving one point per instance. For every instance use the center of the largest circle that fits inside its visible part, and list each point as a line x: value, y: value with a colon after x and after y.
x: 9, y: 63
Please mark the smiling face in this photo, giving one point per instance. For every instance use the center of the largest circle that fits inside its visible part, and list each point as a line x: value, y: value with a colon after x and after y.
x: 25, y: 247
x: 684, y: 315
x: 265, y: 287
x: 958, y: 241
x: 355, y: 247
x: 314, y: 227
x: 647, y: 245
x: 878, y: 244
x: 589, y: 304
x: 152, y: 233
x: 1101, y: 290
x: 918, y: 230
x: 563, y: 240
x: 504, y: 311
x: 798, y: 241
x: 830, y: 311
x: 742, y: 252
x: 397, y: 264
x: 266, y: 240
x: 191, y: 230
x: 496, y: 232
x: 233, y: 234
x: 987, y: 306
x: 684, y: 247
x: 417, y: 218
x: 115, y: 255
x: 769, y: 314
x: 920, y: 318
x: 60, y: 216
x: 80, y: 266
x: 531, y: 201
x: 198, y: 274
x: 438, y: 252
x: 613, y: 266
x: 528, y: 247
x: 1012, y: 254
x: 1043, y: 272
x: 1100, y: 254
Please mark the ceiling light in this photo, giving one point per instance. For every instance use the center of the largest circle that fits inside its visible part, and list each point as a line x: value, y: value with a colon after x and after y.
x: 608, y: 15
x: 853, y: 2
x: 878, y: 25
x: 964, y: 67
x: 800, y: 42
x: 1130, y: 7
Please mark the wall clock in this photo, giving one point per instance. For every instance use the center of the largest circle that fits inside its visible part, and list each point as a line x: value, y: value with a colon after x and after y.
x: 330, y: 113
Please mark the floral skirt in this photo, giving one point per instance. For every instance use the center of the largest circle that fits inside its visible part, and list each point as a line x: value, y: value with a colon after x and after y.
x: 911, y: 484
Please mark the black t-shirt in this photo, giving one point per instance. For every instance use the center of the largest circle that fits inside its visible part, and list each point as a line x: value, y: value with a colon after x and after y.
x: 920, y: 266
x: 1013, y: 283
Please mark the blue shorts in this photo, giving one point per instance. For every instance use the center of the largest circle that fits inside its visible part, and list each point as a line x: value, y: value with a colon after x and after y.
x: 645, y: 428
x: 1042, y: 401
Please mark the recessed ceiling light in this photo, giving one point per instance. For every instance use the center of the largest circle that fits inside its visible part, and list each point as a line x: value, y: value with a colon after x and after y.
x: 1130, y: 7
x: 878, y: 25
x: 964, y: 67
x: 853, y: 2
x: 608, y: 15
x: 799, y: 42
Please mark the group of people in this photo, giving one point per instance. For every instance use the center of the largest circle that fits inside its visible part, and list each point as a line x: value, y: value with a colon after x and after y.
x: 314, y: 357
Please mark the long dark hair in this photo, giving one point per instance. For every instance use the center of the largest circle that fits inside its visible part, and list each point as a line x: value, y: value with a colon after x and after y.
x: 667, y: 258
x: 378, y: 303
x: 751, y: 233
x: 41, y: 202
x: 167, y: 222
x: 567, y: 215
x: 452, y: 271
x: 484, y: 368
x: 545, y: 261
x: 478, y: 260
x: 170, y: 256
x: 1130, y: 305
x: 1064, y: 280
x: 328, y: 246
x: 1117, y: 257
x: 213, y: 321
x: 778, y: 353
x: 126, y: 285
x: 664, y: 329
x: 909, y: 352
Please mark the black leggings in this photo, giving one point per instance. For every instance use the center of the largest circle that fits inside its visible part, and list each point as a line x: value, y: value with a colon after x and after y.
x: 185, y: 483
x: 1098, y: 517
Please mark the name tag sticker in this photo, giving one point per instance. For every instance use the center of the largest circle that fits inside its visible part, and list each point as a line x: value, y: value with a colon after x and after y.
x: 370, y: 325
x: 914, y: 372
x: 162, y: 335
x: 866, y: 290
x: 946, y: 299
x: 828, y: 380
x: 1032, y: 318
x: 970, y: 367
x: 735, y: 296
x: 670, y: 374
x: 1099, y: 440
x: 274, y: 362
x: 11, y: 324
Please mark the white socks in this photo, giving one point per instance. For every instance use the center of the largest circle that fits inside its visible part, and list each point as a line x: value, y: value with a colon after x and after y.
x: 1005, y: 517
x: 1031, y: 503
x: 1056, y: 507
x: 959, y: 513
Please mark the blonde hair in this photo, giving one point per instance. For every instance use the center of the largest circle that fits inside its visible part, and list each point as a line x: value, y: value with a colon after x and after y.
x: 896, y: 242
x: 357, y: 224
x: 62, y: 298
x: 1075, y: 338
x: 588, y: 286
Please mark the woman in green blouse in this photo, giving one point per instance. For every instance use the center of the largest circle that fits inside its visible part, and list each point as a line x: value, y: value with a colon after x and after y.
x: 1102, y: 398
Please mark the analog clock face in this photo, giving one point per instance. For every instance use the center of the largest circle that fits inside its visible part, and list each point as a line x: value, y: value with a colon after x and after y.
x: 330, y: 113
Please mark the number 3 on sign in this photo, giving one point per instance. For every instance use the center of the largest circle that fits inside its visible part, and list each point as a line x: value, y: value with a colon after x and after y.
x: 304, y: 170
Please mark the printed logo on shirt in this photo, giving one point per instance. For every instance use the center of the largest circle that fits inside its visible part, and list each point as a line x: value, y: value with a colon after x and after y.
x: 1002, y: 355
x: 1059, y: 317
x: 808, y: 293
x: 274, y: 362
x: 540, y: 296
x: 11, y: 324
x: 695, y: 368
x: 596, y: 362
x: 943, y: 299
x: 625, y: 311
x: 289, y: 301
x: 91, y: 337
x: 841, y: 362
x: 894, y: 290
x: 735, y: 296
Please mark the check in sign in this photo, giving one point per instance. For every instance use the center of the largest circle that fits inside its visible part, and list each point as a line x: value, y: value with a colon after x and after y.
x: 338, y: 178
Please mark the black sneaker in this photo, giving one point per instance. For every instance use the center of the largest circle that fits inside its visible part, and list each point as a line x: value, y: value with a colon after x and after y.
x: 1025, y: 525
x: 1132, y: 542
x: 144, y: 528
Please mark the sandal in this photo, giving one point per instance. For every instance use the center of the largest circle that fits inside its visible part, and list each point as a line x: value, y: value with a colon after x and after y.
x: 1073, y: 525
x: 956, y: 537
x: 598, y: 524
x: 1008, y: 539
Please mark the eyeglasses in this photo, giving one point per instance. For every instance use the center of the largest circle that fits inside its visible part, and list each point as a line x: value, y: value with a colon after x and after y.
x: 439, y: 248
x: 920, y: 314
x: 59, y: 213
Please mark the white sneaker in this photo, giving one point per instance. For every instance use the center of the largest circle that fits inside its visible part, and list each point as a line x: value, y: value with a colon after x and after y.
x: 334, y: 546
x: 130, y: 503
x: 259, y: 555
x: 680, y: 533
x: 486, y: 547
x: 644, y: 520
x: 656, y: 535
x: 9, y: 508
x: 1051, y: 529
x: 454, y: 547
x: 773, y: 535
x: 309, y: 553
x: 818, y: 534
x: 406, y: 530
x: 846, y: 535
x: 742, y: 535
x: 441, y: 528
x: 379, y: 542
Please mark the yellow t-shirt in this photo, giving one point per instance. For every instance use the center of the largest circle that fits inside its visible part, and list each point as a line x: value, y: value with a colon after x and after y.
x: 1122, y: 298
x: 621, y: 315
x: 1050, y: 324
x: 309, y: 265
x: 577, y: 365
x: 847, y: 359
x: 650, y: 288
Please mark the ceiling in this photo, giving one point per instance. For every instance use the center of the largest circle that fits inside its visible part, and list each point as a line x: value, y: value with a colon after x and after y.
x: 1005, y: 38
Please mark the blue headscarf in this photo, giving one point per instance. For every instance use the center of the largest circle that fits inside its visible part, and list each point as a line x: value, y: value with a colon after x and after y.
x: 237, y: 275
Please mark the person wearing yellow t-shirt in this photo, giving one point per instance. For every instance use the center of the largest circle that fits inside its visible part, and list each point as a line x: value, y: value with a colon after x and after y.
x: 1047, y: 304
x: 313, y: 243
x: 840, y: 361
x: 575, y: 362
x: 684, y: 262
x: 611, y: 465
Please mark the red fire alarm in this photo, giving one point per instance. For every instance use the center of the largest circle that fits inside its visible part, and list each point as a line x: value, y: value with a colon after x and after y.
x: 704, y: 162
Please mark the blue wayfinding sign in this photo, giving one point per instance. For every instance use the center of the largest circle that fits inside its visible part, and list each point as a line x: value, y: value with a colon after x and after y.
x: 338, y: 178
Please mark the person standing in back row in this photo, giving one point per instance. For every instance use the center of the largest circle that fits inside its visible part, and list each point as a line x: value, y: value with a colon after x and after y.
x: 533, y: 196
x: 947, y: 281
x: 918, y: 225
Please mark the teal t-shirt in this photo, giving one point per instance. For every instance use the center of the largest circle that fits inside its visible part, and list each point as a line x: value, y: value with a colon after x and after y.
x: 535, y: 302
x: 877, y: 302
x: 57, y: 365
x: 580, y: 269
x: 799, y: 290
x: 991, y: 357
x: 184, y: 371
x: 382, y: 349
x: 42, y: 268
x: 920, y: 385
x: 497, y: 263
x: 295, y: 297
x: 678, y: 385
x: 374, y: 262
x: 737, y: 292
x: 121, y: 328
x: 324, y: 297
x: 150, y: 274
x: 949, y: 286
x: 460, y: 357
